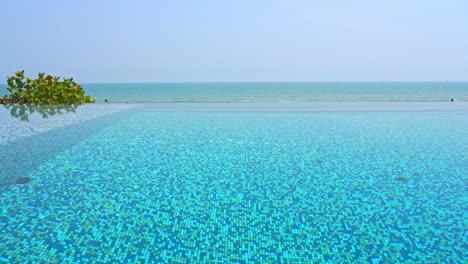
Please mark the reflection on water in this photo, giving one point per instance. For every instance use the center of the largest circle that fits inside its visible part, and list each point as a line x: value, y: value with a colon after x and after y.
x: 24, y: 146
x: 23, y: 111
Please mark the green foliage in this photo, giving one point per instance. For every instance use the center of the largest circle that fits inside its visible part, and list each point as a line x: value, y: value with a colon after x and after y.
x: 45, y: 90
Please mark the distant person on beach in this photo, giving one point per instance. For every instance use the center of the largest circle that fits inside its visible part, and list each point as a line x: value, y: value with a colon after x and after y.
x: 452, y: 100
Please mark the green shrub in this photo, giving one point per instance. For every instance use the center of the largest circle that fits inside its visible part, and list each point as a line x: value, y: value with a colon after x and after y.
x: 45, y: 90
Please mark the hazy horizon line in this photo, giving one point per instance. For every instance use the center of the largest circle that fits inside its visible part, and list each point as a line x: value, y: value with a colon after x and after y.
x: 163, y: 82
x: 168, y: 82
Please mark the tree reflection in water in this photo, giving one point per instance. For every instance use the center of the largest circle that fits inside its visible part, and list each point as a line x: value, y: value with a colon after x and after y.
x: 24, y: 111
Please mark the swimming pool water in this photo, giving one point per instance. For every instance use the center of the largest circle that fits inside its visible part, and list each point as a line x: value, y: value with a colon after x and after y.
x: 180, y: 186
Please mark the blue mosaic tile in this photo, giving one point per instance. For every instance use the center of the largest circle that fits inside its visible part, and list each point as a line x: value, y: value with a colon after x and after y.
x: 250, y: 187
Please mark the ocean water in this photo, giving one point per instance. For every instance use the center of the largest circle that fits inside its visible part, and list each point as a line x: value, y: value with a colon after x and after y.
x: 239, y: 183
x: 279, y: 92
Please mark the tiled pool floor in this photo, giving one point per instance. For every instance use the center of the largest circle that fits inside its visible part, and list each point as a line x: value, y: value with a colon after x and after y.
x: 258, y: 187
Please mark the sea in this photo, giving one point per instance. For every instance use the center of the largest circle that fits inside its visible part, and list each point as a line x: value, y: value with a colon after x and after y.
x: 276, y: 92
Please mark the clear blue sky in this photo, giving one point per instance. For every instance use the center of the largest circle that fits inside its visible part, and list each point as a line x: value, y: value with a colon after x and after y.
x: 243, y: 40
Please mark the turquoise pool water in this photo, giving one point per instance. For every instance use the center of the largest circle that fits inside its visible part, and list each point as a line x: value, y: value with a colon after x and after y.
x: 240, y: 183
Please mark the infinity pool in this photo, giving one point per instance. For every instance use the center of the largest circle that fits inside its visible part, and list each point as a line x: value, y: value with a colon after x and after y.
x: 237, y: 183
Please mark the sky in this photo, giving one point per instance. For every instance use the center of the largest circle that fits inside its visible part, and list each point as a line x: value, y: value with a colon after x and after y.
x: 239, y: 41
